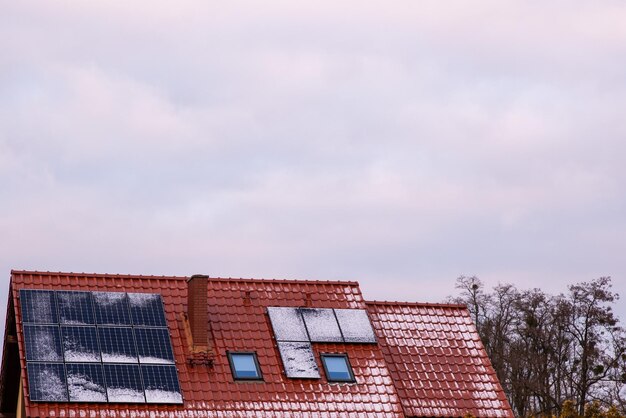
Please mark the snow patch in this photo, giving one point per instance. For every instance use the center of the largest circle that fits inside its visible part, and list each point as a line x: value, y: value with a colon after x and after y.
x: 125, y: 395
x: 46, y: 383
x: 142, y: 300
x: 38, y: 305
x: 163, y: 396
x: 108, y: 298
x: 81, y: 356
x: 287, y: 324
x: 154, y: 360
x: 321, y: 324
x: 298, y: 360
x: 83, y: 389
x: 355, y: 326
x: 42, y: 343
x: 117, y: 358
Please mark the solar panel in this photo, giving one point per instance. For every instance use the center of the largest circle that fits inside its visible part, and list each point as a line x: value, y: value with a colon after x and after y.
x: 153, y: 345
x: 321, y: 325
x: 43, y: 343
x: 38, y: 306
x: 111, y: 308
x: 123, y: 383
x: 298, y: 360
x: 355, y: 325
x: 287, y: 324
x: 161, y: 383
x: 85, y: 383
x: 75, y: 308
x: 147, y: 309
x: 117, y: 345
x: 46, y: 382
x: 90, y: 351
x: 80, y: 344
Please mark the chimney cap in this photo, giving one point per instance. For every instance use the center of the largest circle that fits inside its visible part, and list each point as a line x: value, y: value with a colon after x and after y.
x: 198, y: 276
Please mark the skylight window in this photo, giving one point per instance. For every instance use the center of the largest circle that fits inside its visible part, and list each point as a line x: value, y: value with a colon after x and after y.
x: 337, y: 368
x: 244, y: 366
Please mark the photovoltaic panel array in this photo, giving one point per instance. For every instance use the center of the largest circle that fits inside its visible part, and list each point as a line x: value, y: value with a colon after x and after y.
x: 296, y: 328
x: 98, y: 347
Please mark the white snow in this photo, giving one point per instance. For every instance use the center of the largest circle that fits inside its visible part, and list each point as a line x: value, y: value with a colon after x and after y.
x: 81, y: 356
x: 355, y: 326
x: 125, y: 395
x: 41, y: 303
x: 83, y: 389
x: 68, y: 301
x: 321, y: 324
x: 117, y: 358
x: 154, y: 360
x: 287, y: 324
x: 141, y: 300
x: 108, y: 298
x: 298, y: 360
x: 43, y: 344
x: 163, y: 396
x: 49, y: 384
x: 74, y: 350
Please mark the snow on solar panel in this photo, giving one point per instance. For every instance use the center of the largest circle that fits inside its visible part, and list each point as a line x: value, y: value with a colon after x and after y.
x: 38, y: 306
x: 161, y: 383
x: 154, y: 345
x: 46, y: 382
x: 43, y: 343
x: 147, y: 309
x: 85, y: 383
x: 111, y: 308
x: 80, y: 344
x: 298, y: 360
x: 355, y: 326
x: 117, y: 345
x: 123, y: 383
x: 287, y: 324
x: 93, y: 328
x: 321, y: 325
x: 75, y: 308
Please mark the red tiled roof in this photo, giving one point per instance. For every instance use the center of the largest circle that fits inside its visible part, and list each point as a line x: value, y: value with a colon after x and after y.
x: 212, y: 392
x: 437, y: 360
x: 429, y: 360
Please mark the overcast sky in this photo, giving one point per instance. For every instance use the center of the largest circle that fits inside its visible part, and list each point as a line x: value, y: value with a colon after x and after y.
x: 400, y: 144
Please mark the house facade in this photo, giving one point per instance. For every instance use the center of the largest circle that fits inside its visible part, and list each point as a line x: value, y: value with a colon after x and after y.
x: 104, y: 345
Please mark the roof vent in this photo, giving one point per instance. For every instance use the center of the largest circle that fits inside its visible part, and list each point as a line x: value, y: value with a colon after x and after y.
x: 198, y: 327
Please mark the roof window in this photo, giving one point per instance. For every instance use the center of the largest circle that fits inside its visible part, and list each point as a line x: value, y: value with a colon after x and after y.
x: 244, y: 366
x: 337, y: 368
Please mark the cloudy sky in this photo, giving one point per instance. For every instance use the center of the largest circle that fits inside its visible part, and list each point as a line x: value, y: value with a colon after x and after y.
x: 400, y: 144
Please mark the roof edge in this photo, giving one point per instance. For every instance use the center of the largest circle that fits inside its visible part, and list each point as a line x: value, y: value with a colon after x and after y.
x: 417, y: 304
x: 211, y: 279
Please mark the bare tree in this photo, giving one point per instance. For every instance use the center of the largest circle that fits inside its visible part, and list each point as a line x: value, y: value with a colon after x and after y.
x: 549, y: 349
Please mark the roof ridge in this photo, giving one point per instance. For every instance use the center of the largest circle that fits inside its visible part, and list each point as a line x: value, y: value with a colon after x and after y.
x: 294, y: 281
x: 214, y: 279
x: 419, y: 304
x: 111, y: 275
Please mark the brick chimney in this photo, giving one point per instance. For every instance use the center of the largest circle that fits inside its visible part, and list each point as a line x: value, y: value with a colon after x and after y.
x: 198, y: 311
